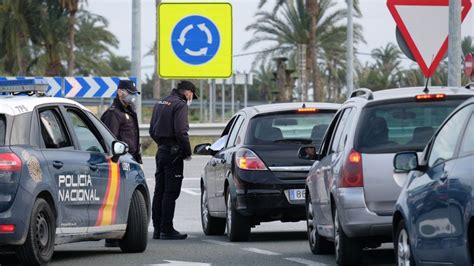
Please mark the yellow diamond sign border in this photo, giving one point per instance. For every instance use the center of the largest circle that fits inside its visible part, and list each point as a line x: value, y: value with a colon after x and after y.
x: 170, y: 65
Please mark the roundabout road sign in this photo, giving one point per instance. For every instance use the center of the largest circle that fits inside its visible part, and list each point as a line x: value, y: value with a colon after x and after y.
x: 195, y: 40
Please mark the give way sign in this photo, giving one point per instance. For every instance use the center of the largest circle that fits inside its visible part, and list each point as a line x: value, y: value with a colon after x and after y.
x: 424, y: 25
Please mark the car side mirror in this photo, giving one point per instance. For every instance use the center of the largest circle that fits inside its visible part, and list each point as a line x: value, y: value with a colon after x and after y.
x: 203, y: 149
x: 308, y: 153
x: 119, y: 148
x: 405, y: 162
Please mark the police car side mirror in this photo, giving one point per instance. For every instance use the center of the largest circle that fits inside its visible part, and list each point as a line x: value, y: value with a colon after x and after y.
x: 118, y: 149
x: 203, y: 149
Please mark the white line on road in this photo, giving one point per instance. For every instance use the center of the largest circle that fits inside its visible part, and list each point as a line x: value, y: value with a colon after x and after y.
x: 222, y: 243
x: 191, y: 191
x: 262, y: 251
x: 306, y: 262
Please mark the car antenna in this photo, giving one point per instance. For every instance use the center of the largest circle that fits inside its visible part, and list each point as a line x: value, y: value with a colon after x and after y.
x: 426, y: 90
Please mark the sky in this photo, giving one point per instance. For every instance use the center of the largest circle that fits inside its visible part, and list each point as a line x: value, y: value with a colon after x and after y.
x: 377, y: 22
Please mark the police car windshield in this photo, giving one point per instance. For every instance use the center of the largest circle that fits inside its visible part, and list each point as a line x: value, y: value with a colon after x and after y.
x: 288, y: 128
x: 394, y: 127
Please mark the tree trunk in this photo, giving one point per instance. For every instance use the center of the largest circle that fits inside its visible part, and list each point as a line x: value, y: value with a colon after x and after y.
x: 54, y: 62
x: 71, y: 62
x: 313, y: 69
x: 156, y: 77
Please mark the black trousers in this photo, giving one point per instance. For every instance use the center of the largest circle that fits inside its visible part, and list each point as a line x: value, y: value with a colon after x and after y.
x: 168, y: 178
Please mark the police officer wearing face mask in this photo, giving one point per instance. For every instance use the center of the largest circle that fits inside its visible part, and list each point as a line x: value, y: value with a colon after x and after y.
x: 122, y: 120
x: 169, y: 129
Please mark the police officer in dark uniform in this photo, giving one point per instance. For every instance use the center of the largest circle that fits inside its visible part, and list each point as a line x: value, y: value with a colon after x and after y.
x: 169, y: 129
x: 122, y: 120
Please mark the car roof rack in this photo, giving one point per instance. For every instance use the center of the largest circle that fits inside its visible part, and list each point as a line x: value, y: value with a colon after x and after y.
x: 364, y: 93
x: 29, y: 87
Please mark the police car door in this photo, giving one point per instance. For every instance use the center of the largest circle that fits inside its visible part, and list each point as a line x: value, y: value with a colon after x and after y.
x: 104, y: 175
x: 68, y: 171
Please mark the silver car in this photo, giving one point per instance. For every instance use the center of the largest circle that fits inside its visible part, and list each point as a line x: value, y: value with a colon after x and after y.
x: 351, y: 190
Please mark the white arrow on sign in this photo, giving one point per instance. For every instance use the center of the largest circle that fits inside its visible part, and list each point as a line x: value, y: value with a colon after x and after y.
x: 203, y: 27
x: 182, y: 36
x: 183, y: 263
x: 202, y: 51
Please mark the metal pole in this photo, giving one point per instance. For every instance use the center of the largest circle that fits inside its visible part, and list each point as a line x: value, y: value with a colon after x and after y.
x: 223, y: 101
x: 214, y: 100
x: 350, y: 48
x: 233, y: 94
x: 210, y: 103
x: 173, y: 84
x: 201, y: 100
x: 136, y: 53
x: 454, y: 46
x: 246, y: 89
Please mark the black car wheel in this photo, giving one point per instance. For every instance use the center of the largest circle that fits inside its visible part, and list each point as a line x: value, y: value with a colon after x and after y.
x: 238, y: 226
x: 402, y: 247
x: 39, y: 245
x: 136, y: 236
x: 318, y: 244
x: 348, y: 250
x: 210, y: 225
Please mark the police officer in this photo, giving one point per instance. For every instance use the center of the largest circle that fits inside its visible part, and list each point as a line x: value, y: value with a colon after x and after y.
x: 169, y: 129
x: 122, y: 120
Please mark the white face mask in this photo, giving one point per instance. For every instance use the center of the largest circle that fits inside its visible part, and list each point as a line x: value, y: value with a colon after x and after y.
x: 190, y: 101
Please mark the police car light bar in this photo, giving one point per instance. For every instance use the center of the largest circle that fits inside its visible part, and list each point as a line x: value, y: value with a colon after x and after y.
x: 39, y: 86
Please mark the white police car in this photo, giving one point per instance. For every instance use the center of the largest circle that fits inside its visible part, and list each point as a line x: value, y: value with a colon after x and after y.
x: 63, y: 177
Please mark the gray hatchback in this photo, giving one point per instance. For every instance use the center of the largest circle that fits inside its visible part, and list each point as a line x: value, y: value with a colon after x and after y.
x: 351, y: 189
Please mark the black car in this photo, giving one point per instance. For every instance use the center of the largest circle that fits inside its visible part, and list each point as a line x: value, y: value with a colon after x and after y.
x: 254, y: 174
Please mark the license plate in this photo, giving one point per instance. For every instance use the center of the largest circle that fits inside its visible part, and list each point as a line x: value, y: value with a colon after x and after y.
x: 297, y: 194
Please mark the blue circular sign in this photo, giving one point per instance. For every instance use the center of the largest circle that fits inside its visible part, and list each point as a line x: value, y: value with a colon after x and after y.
x: 195, y: 40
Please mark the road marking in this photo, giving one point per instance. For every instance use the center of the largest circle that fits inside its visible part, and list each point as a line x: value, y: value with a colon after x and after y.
x: 191, y: 191
x: 306, y: 262
x: 222, y: 243
x: 182, y: 263
x: 262, y: 251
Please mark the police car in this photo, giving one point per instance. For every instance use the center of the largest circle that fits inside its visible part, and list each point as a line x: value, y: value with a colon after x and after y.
x: 64, y: 177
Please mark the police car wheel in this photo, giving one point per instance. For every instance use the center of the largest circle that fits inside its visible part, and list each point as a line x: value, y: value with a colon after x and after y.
x: 136, y: 236
x: 238, y: 226
x: 39, y: 245
x: 210, y: 225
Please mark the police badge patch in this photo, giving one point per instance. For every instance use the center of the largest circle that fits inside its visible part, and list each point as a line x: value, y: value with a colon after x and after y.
x: 34, y: 167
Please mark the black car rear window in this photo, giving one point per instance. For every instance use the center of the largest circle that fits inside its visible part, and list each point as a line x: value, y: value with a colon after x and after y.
x: 288, y: 128
x: 394, y: 127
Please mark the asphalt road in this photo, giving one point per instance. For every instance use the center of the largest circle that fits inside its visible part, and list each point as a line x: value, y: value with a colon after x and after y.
x: 270, y: 243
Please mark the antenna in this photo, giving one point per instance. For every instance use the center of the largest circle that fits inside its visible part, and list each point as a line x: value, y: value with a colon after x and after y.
x: 426, y: 90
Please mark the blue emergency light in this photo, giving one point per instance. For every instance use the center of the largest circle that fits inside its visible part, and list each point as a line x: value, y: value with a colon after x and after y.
x: 29, y: 86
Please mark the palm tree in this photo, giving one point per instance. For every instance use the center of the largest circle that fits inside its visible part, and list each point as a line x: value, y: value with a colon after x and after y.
x: 289, y: 27
x: 71, y: 6
x: 265, y: 81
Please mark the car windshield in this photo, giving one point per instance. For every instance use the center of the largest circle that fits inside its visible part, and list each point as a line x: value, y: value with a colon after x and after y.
x: 394, y: 127
x: 288, y: 128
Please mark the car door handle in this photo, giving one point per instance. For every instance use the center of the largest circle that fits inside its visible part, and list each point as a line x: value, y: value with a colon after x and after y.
x: 58, y: 164
x: 93, y: 167
x: 223, y: 161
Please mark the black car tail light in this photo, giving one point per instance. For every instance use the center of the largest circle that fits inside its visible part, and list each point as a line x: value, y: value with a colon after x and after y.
x: 247, y: 160
x: 7, y: 228
x: 352, y: 175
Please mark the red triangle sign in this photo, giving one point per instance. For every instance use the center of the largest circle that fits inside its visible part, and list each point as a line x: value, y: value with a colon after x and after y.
x: 425, y: 26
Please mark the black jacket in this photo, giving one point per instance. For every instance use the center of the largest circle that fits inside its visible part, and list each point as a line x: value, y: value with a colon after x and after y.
x: 123, y: 123
x: 169, y: 122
